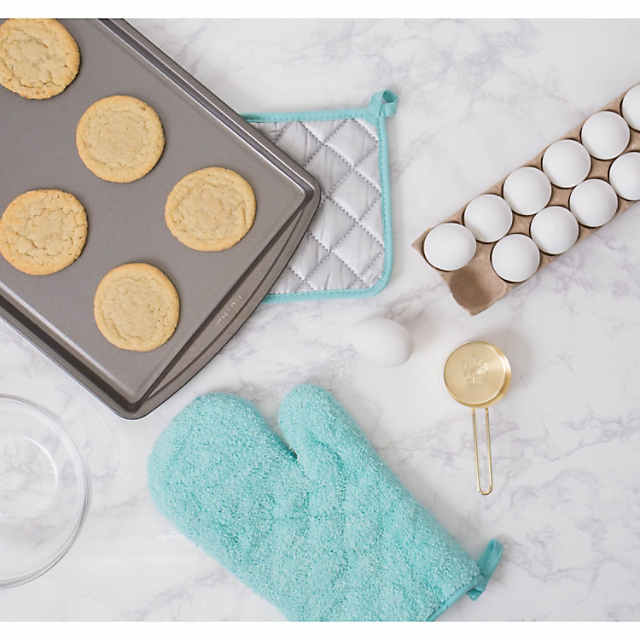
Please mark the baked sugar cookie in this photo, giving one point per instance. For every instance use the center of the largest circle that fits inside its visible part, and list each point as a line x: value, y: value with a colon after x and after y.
x: 136, y: 307
x: 120, y: 138
x: 211, y: 209
x: 38, y: 58
x: 43, y: 231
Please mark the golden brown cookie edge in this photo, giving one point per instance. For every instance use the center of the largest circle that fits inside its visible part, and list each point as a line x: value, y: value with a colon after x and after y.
x: 43, y: 272
x: 140, y: 267
x: 74, y: 52
x: 111, y: 176
x: 208, y: 247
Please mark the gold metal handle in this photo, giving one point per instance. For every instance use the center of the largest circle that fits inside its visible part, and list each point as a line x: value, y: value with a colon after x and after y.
x: 489, y: 489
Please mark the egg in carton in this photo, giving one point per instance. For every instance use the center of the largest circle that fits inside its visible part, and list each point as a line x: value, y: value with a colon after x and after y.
x: 537, y: 212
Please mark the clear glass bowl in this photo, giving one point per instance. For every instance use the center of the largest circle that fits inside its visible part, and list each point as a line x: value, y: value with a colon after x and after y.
x: 44, y: 491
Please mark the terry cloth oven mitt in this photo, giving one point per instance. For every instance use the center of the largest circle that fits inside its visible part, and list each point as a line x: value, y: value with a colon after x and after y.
x: 318, y: 525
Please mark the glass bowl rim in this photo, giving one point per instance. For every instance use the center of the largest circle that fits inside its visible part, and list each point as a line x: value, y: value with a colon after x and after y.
x: 57, y: 427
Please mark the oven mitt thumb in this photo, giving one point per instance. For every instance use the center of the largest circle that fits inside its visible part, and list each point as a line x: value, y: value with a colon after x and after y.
x: 319, y: 525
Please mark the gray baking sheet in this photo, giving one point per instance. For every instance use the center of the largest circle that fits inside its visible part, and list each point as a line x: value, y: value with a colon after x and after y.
x: 126, y: 221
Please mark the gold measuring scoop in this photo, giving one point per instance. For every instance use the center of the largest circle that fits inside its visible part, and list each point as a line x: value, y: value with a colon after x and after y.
x: 477, y: 374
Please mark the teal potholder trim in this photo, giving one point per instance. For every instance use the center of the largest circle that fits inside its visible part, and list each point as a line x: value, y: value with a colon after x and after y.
x: 382, y: 105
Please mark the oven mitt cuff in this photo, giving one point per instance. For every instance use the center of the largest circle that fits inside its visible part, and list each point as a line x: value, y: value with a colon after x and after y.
x: 319, y: 526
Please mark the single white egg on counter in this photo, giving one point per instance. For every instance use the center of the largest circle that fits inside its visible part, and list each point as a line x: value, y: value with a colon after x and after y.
x: 631, y: 107
x: 449, y: 246
x: 527, y: 190
x: 382, y: 341
x: 605, y: 135
x: 489, y: 217
x: 593, y: 203
x: 515, y: 258
x: 566, y: 162
x: 554, y: 230
x: 624, y: 175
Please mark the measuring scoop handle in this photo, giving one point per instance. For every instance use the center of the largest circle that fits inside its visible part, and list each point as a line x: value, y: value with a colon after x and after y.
x: 489, y: 489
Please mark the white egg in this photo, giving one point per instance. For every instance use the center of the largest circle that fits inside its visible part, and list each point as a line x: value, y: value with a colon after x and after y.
x: 593, y: 203
x: 554, y: 230
x: 515, y: 258
x: 489, y: 217
x: 527, y: 190
x: 449, y: 246
x: 382, y: 341
x: 605, y: 135
x: 624, y: 175
x: 566, y: 162
x: 631, y: 107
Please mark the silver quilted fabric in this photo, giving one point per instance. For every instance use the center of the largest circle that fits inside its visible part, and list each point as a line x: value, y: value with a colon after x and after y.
x: 343, y: 249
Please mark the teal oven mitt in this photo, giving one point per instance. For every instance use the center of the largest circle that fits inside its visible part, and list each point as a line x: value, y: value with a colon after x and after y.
x: 318, y: 525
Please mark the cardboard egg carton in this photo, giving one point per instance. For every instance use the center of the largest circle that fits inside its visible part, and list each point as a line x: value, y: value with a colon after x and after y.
x: 477, y: 286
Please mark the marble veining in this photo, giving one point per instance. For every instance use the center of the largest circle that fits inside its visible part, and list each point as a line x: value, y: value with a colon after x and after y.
x: 476, y: 99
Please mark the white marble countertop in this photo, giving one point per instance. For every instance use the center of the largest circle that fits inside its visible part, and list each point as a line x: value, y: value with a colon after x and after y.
x: 476, y: 100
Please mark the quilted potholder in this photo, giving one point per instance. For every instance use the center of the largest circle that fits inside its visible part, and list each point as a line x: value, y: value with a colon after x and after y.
x: 347, y: 250
x: 317, y: 524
